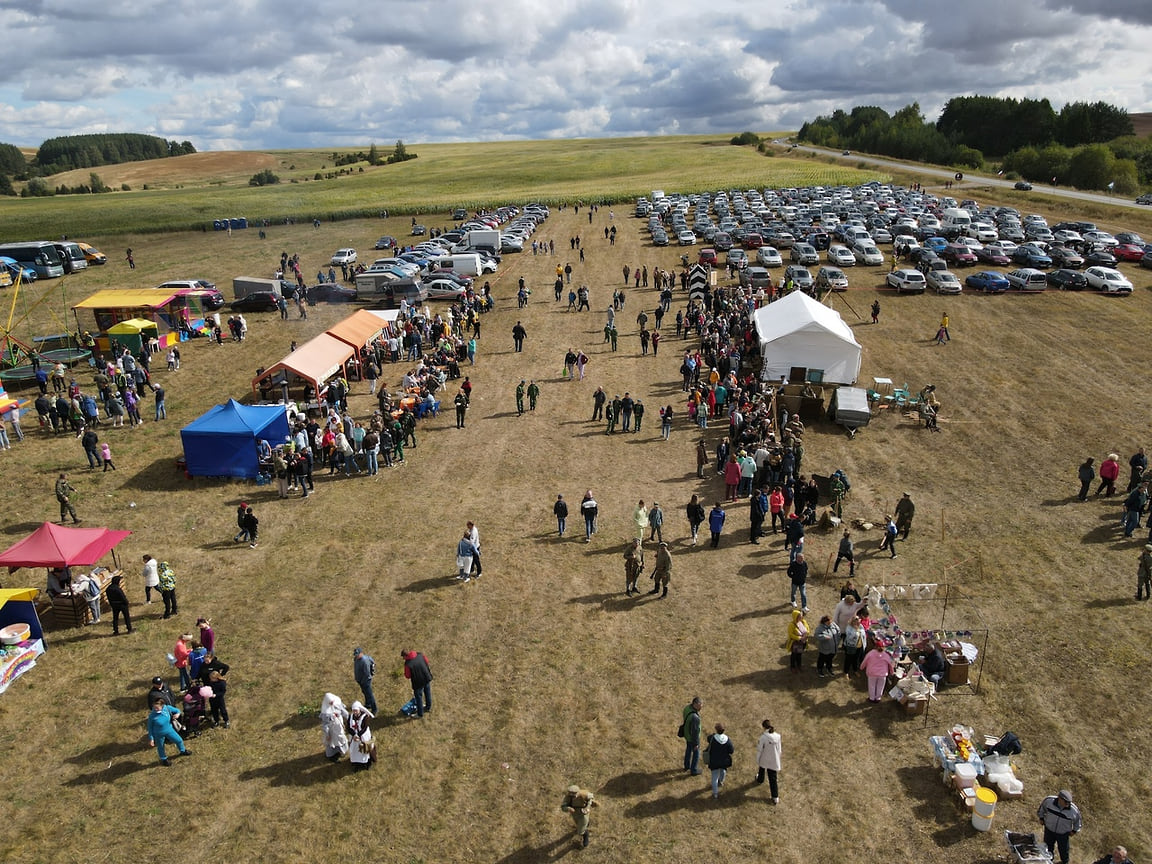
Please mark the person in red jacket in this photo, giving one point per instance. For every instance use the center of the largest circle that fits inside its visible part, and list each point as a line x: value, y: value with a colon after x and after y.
x: 416, y: 670
x: 1109, y: 471
x: 776, y: 507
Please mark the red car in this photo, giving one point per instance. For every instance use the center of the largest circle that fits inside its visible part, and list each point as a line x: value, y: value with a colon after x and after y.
x: 708, y: 257
x: 955, y: 253
x: 1128, y: 252
x: 752, y: 241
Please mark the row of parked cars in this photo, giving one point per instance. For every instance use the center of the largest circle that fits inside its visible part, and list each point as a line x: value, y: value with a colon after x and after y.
x: 791, y: 228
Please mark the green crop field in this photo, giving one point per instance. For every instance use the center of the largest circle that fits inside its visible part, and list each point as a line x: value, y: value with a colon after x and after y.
x: 188, y: 192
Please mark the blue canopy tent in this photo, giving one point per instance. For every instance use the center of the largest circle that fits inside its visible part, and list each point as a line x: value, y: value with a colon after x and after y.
x: 222, y: 442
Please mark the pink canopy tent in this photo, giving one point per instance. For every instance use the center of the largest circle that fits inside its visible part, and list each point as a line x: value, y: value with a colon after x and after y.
x: 53, y: 545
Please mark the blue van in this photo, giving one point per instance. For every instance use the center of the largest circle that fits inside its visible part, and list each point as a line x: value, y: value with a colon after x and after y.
x: 40, y: 255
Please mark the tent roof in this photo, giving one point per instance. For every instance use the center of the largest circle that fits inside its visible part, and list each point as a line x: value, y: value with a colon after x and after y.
x: 133, y: 325
x: 53, y: 545
x: 358, y: 329
x: 315, y: 360
x: 25, y: 594
x: 800, y: 313
x: 234, y: 417
x: 142, y: 298
x: 388, y: 315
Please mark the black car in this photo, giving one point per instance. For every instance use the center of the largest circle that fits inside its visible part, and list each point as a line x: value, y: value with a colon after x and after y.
x: 1023, y: 186
x: 1067, y: 280
x: 1099, y: 258
x: 257, y: 301
x: 386, y: 242
x: 333, y: 292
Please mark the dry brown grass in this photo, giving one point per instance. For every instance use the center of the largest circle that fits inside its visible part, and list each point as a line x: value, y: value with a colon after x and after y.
x: 546, y: 674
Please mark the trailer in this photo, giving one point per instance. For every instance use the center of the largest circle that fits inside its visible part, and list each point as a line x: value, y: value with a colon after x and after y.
x: 849, y: 407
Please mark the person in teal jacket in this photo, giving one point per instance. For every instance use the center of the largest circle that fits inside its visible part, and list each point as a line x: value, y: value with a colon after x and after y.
x: 161, y: 730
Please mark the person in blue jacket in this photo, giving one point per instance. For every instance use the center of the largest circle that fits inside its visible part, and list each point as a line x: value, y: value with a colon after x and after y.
x: 716, y: 523
x: 161, y: 730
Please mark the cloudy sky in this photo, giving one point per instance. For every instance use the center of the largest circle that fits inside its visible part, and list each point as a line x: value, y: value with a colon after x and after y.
x: 251, y: 74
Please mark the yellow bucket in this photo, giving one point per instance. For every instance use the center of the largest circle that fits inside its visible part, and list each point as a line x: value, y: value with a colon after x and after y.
x: 985, y: 803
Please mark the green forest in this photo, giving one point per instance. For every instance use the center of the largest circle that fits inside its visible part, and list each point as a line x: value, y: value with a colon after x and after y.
x: 1086, y: 145
x: 82, y: 151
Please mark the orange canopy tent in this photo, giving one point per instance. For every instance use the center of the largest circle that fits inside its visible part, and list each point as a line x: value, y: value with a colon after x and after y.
x: 358, y: 330
x: 314, y: 362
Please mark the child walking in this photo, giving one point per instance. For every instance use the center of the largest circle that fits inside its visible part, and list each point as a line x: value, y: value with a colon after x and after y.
x: 106, y: 455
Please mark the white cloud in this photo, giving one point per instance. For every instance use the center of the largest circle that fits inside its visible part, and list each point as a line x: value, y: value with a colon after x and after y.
x: 257, y: 73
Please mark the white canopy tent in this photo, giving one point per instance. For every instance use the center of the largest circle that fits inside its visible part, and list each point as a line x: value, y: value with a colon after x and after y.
x: 801, y: 332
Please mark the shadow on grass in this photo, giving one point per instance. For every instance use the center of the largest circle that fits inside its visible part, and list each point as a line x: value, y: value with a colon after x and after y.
x: 1110, y: 603
x: 108, y: 752
x: 1060, y: 502
x: 553, y: 851
x: 697, y: 800
x: 161, y: 474
x: 426, y: 585
x: 922, y: 787
x: 614, y: 602
x: 114, y: 772
x: 634, y: 783
x: 1107, y: 533
x: 21, y: 528
x: 687, y: 475
x: 303, y: 771
x: 761, y: 613
x: 297, y: 722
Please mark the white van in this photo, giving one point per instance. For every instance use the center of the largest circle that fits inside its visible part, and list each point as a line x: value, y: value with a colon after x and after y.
x: 464, y: 263
x: 956, y: 221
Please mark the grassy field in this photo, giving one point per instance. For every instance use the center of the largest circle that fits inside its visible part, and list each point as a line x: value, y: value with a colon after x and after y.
x: 188, y: 192
x: 545, y: 673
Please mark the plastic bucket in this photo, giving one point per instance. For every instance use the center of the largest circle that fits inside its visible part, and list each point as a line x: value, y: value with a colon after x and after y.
x: 985, y: 803
x: 981, y: 823
x: 965, y: 774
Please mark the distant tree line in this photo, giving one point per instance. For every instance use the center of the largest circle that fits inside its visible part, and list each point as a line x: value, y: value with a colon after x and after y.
x: 1089, y: 145
x: 90, y: 151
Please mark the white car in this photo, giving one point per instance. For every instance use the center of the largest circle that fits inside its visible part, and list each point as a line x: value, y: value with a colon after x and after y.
x: 344, y: 256
x: 385, y: 264
x: 443, y: 289
x: 867, y: 253
x: 1108, y: 280
x: 841, y: 256
x: 1027, y: 279
x: 832, y: 279
x: 769, y: 256
x: 943, y: 282
x: 1100, y: 238
x: 907, y: 281
x: 686, y: 238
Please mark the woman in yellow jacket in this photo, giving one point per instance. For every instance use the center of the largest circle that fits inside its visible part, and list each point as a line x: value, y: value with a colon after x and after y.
x: 798, y: 633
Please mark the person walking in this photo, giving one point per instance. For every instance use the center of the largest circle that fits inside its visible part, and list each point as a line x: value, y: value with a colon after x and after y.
x: 251, y: 525
x: 827, y: 636
x: 702, y: 459
x: 579, y: 803
x: 1144, y: 574
x: 465, y: 552
x: 798, y: 574
x: 419, y: 675
x: 1137, y: 465
x: 875, y: 311
x: 166, y: 580
x: 846, y: 552
x: 151, y: 578
x: 533, y: 394
x: 716, y: 523
x: 519, y: 334
x: 1109, y: 471
x: 1134, y: 506
x: 1061, y: 819
x: 520, y: 388
x: 118, y: 601
x: 690, y: 732
x: 890, y: 532
x: 589, y: 510
x: 768, y: 759
x: 640, y: 520
x: 364, y: 670
x: 798, y: 633
x: 64, y: 493
x: 877, y: 665
x: 560, y: 511
x: 719, y: 757
x: 662, y: 574
x: 633, y: 566
x: 598, y: 400
x: 656, y: 523
x: 695, y: 513
x: 161, y: 409
x: 461, y: 403
x: 162, y: 732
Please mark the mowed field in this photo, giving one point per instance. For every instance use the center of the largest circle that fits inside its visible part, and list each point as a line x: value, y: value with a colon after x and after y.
x: 546, y: 674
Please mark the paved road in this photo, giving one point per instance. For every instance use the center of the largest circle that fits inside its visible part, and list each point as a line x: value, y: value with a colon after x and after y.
x: 970, y: 179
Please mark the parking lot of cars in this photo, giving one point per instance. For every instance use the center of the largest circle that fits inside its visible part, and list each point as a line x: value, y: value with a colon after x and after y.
x: 925, y: 237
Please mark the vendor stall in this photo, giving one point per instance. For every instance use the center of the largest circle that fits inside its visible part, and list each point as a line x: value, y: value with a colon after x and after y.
x: 313, y: 363
x: 979, y: 776
x: 21, y: 636
x: 135, y: 333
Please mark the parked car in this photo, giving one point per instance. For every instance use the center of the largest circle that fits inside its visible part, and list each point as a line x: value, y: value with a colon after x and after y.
x: 1027, y: 279
x: 1100, y: 238
x: 1031, y: 256
x: 841, y: 256
x: 801, y: 279
x: 804, y: 253
x: 769, y: 257
x: 344, y: 256
x: 93, y: 255
x: 686, y: 238
x: 736, y: 256
x: 988, y: 281
x: 27, y: 274
x: 442, y: 288
x: 419, y: 230
x: 1128, y: 252
x: 1107, y: 280
x: 659, y: 238
x: 832, y: 279
x: 332, y: 292
x: 943, y: 282
x: 907, y: 281
x: 1099, y: 257
x: 868, y: 254
x: 752, y: 240
x: 708, y: 256
x: 210, y: 298
x: 1067, y: 280
x: 386, y: 242
x: 256, y: 301
x: 1064, y: 257
x: 993, y: 255
x: 958, y: 254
